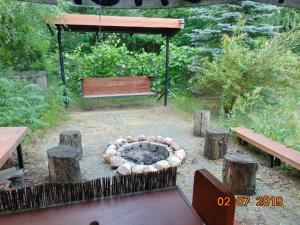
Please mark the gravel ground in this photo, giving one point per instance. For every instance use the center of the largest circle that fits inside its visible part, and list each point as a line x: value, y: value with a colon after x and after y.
x: 100, y: 126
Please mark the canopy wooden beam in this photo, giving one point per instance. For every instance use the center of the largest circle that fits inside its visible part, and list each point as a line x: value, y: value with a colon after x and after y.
x: 119, y: 24
x: 163, y: 3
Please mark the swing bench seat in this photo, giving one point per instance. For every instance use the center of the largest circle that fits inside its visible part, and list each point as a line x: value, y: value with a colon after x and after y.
x: 116, y: 87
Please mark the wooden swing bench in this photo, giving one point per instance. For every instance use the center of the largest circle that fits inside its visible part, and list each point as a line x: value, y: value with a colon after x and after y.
x: 116, y: 87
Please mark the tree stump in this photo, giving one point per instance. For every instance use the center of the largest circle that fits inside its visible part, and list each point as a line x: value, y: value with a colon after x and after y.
x: 63, y: 164
x: 72, y: 138
x: 239, y: 174
x: 201, y: 122
x: 216, y: 143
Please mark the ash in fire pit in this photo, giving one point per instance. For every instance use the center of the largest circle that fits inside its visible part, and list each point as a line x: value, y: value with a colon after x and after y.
x: 143, y: 154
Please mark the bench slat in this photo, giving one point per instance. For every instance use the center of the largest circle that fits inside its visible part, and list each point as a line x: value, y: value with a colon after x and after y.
x: 118, y: 95
x: 269, y: 146
x: 116, y: 87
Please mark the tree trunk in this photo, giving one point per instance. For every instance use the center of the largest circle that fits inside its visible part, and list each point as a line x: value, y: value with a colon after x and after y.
x: 239, y: 174
x: 63, y: 164
x: 201, y: 122
x: 72, y: 138
x: 216, y: 143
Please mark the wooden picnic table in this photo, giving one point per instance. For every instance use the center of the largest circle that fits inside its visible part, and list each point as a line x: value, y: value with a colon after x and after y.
x: 168, y: 207
x: 10, y: 140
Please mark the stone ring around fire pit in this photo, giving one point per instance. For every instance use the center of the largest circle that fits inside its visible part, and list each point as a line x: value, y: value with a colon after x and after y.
x: 143, y: 154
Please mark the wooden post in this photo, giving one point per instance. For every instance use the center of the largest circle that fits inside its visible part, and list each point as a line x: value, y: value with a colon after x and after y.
x: 239, y: 174
x: 72, y: 138
x: 216, y: 143
x: 167, y: 70
x: 63, y: 164
x: 62, y: 65
x: 201, y: 122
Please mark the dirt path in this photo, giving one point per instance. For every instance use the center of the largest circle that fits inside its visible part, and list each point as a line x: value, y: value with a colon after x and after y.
x: 99, y: 127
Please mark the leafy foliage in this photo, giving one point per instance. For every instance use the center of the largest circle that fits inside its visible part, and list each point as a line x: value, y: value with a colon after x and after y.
x: 257, y: 87
x: 24, y: 40
x: 111, y: 58
x: 27, y: 104
x: 239, y: 71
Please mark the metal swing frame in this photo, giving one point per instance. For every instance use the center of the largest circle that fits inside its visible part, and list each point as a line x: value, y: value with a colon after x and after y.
x: 119, y: 24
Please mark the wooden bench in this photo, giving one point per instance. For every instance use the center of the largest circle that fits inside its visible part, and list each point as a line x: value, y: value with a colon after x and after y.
x: 267, y: 145
x: 116, y: 87
x: 10, y: 140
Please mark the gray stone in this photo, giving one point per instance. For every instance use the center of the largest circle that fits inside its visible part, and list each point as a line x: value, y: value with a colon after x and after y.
x: 125, y: 169
x: 112, y: 143
x: 168, y: 141
x: 116, y: 162
x: 138, y: 169
x: 151, y: 138
x: 175, y: 146
x: 141, y: 138
x: 150, y: 169
x: 121, y: 141
x: 160, y: 139
x: 163, y: 164
x: 107, y: 158
x: 131, y: 139
x: 180, y: 154
x: 174, y: 161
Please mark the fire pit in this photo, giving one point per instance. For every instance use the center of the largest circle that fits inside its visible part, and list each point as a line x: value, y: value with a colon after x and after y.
x: 143, y: 154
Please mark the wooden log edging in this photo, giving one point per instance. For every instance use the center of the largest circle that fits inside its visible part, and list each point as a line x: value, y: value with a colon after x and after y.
x: 52, y: 194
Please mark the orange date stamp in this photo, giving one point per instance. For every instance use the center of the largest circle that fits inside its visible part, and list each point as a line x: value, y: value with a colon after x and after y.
x: 260, y: 201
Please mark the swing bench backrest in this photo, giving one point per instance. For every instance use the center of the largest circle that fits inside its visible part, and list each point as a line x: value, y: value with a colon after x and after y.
x: 116, y: 87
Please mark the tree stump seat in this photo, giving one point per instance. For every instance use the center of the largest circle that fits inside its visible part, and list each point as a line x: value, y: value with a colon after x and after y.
x: 63, y: 164
x: 216, y: 143
x: 72, y: 138
x: 201, y: 122
x: 239, y: 174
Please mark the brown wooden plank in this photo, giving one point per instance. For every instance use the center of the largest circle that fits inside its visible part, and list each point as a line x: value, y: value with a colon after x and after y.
x: 10, y: 138
x: 118, y: 21
x: 206, y: 192
x: 120, y: 95
x: 117, y: 89
x: 117, y: 78
x: 269, y: 146
x: 116, y: 86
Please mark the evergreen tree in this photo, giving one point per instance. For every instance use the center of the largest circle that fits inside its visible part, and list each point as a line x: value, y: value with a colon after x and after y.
x: 215, y: 21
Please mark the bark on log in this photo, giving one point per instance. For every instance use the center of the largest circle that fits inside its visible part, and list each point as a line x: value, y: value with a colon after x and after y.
x: 63, y: 164
x: 239, y: 174
x: 201, y: 122
x: 72, y: 138
x: 216, y: 143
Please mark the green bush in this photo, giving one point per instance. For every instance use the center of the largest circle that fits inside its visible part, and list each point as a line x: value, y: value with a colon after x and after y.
x: 258, y: 88
x: 27, y: 104
x: 113, y: 59
x: 238, y: 71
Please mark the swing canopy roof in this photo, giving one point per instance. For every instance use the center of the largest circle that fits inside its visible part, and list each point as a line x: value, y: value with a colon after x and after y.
x: 119, y: 24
